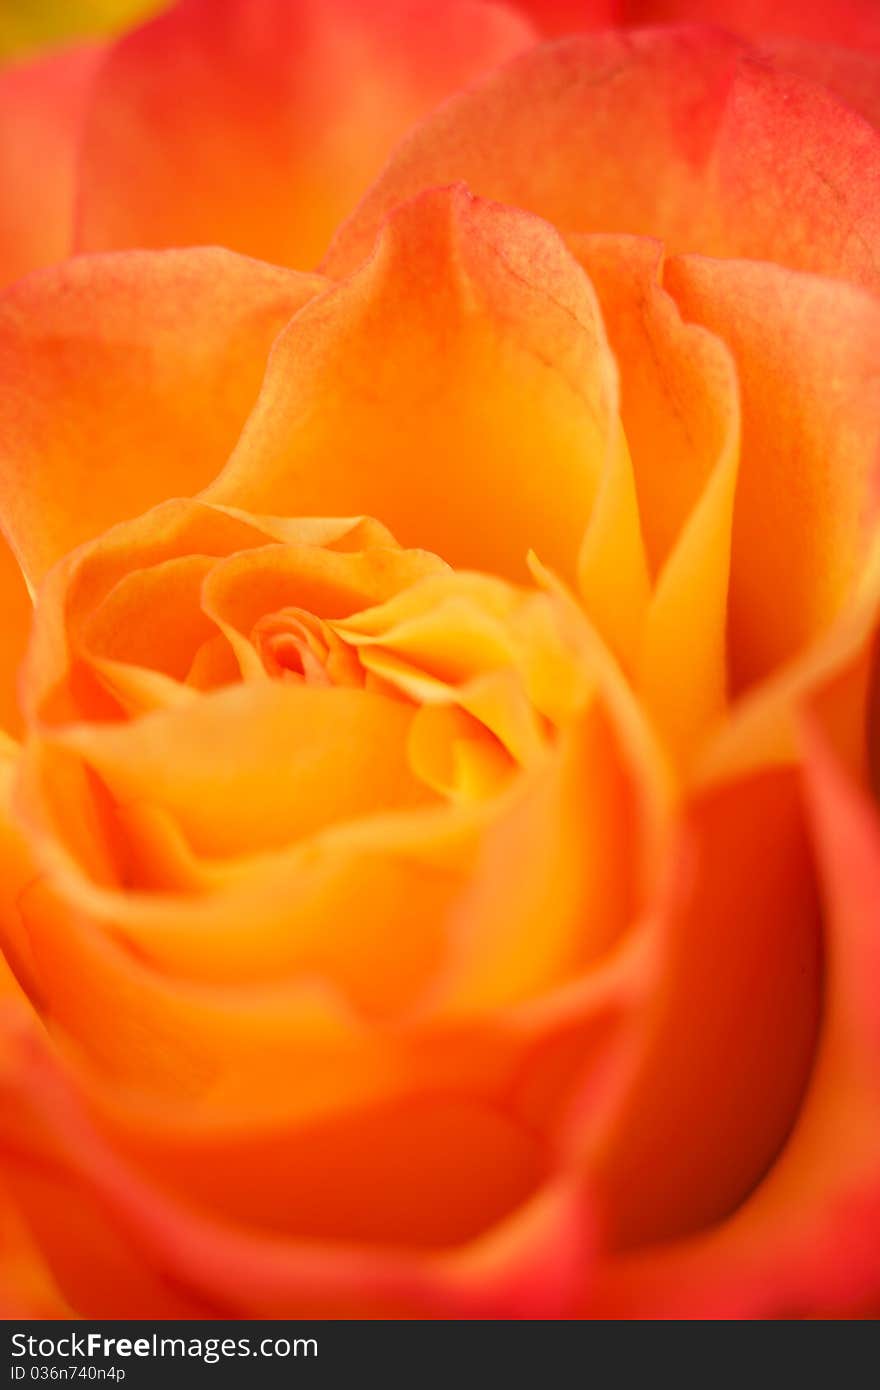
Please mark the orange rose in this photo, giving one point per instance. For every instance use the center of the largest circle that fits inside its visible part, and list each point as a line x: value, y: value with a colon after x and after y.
x: 440, y: 859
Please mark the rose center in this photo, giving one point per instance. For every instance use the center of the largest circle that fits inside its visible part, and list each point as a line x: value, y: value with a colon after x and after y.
x: 295, y: 645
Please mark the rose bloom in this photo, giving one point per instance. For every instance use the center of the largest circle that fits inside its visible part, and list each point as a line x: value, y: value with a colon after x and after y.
x: 439, y: 842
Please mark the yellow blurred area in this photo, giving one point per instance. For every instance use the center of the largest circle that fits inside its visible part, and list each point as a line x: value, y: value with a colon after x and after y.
x: 28, y: 25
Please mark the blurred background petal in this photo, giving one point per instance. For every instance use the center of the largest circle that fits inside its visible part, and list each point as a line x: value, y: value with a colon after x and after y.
x: 26, y: 25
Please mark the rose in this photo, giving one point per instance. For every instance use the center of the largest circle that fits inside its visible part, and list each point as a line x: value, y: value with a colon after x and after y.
x: 494, y: 903
x: 77, y: 122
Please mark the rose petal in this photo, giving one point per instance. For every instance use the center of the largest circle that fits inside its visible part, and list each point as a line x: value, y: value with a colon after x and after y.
x: 127, y: 381
x: 426, y: 389
x: 681, y: 134
x: 428, y: 1170
x: 854, y: 22
x: 494, y: 667
x: 851, y: 22
x: 806, y: 1243
x: 256, y: 124
x: 733, y: 985
x: 761, y: 728
x: 836, y: 45
x: 557, y: 17
x: 303, y: 759
x: 675, y: 383
x: 806, y: 351
x: 132, y: 624
x: 42, y: 105
x: 680, y: 412
x: 337, y: 907
x: 565, y: 854
x: 853, y: 77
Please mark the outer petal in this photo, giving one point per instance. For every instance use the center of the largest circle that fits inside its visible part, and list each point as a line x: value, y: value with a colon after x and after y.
x: 122, y: 1247
x: 459, y: 387
x: 807, y: 1243
x: 852, y: 22
x: 553, y: 18
x: 726, y: 1043
x: 806, y: 351
x: 42, y: 105
x: 837, y: 45
x: 27, y: 1290
x: 680, y: 134
x: 127, y: 379
x: 256, y: 124
x: 853, y: 76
